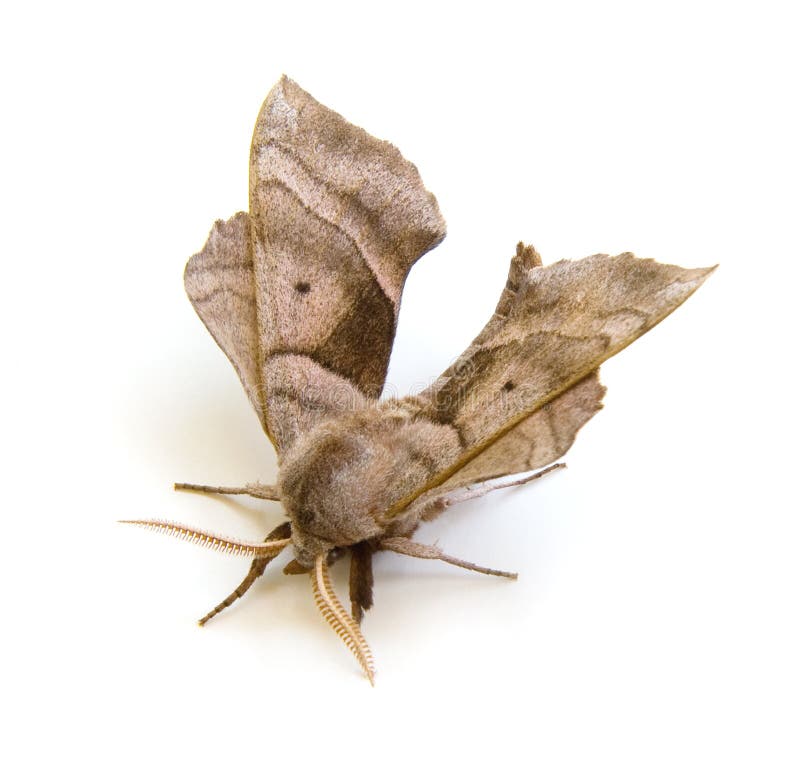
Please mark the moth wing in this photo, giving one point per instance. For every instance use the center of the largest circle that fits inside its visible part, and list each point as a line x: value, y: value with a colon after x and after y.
x: 337, y: 219
x: 552, y: 329
x: 220, y: 283
x: 538, y: 440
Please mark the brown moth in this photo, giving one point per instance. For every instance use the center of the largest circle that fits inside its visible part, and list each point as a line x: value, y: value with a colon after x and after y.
x: 302, y: 295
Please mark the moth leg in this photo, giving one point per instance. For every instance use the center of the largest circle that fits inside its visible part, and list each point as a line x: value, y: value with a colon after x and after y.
x: 361, y: 578
x: 257, y: 569
x: 338, y: 619
x: 426, y: 551
x: 473, y: 491
x: 254, y: 489
x: 478, y: 489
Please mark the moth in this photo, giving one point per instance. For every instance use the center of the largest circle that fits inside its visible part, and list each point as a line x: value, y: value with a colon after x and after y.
x: 302, y: 294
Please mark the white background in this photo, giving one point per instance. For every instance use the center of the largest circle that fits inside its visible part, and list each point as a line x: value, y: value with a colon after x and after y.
x: 656, y: 617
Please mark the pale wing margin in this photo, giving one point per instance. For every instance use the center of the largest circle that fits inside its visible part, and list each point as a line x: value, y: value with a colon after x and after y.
x: 221, y: 287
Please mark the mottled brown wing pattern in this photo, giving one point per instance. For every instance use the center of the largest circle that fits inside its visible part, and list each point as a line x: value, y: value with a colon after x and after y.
x: 545, y: 435
x: 538, y: 440
x: 338, y: 219
x: 552, y: 329
x: 303, y: 293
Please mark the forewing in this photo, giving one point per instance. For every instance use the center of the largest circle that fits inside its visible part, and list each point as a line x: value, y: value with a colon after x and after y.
x: 303, y: 293
x: 553, y: 327
x: 337, y: 220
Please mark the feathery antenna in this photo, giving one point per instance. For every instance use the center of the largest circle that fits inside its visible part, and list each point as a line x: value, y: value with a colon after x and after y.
x: 254, y: 549
x: 338, y: 618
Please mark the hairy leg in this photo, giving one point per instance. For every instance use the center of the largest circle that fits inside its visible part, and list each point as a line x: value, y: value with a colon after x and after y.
x: 254, y: 489
x: 257, y: 569
x: 426, y: 551
x: 477, y: 489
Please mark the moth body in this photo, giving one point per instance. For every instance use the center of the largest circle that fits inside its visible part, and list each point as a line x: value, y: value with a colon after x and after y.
x: 338, y: 481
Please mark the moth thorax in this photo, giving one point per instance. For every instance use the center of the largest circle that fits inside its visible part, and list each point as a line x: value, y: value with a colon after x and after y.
x: 330, y: 485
